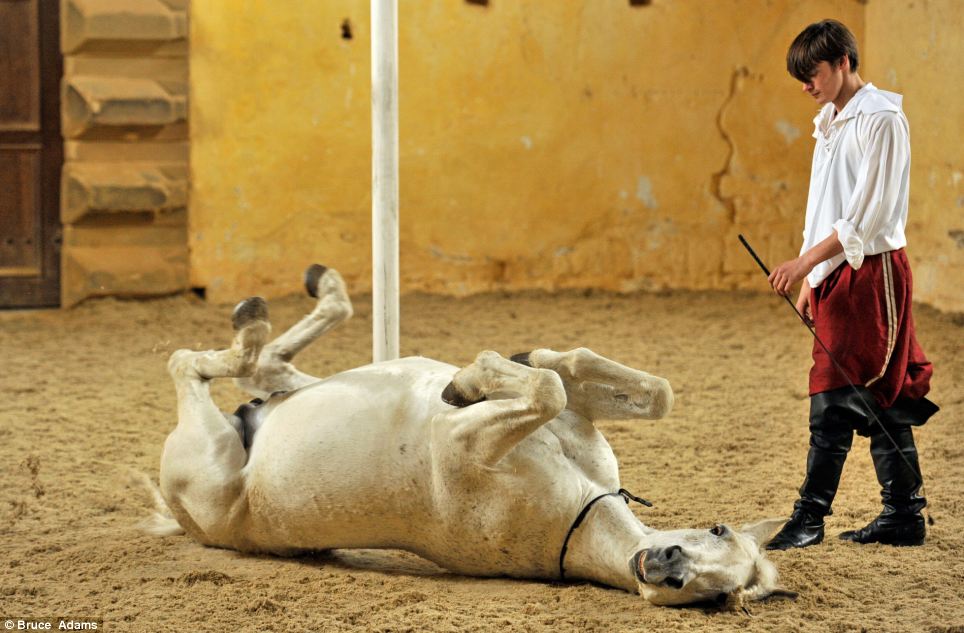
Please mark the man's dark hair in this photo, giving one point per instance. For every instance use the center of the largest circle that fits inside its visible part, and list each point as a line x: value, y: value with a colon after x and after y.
x: 824, y: 41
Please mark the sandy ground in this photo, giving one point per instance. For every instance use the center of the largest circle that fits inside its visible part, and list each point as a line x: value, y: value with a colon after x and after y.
x: 87, y: 398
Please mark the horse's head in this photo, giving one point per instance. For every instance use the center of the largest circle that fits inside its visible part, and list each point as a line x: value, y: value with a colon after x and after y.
x: 719, y: 564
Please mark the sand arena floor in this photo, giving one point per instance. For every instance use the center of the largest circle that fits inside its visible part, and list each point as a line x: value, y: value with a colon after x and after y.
x: 87, y: 398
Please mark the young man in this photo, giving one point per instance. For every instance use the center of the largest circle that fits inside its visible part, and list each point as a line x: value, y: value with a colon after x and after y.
x: 857, y: 292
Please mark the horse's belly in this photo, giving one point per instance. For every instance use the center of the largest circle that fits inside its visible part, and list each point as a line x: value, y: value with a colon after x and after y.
x: 346, y: 463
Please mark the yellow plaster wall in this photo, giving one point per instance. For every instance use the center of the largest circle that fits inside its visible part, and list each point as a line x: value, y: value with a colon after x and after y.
x: 916, y: 48
x: 544, y: 144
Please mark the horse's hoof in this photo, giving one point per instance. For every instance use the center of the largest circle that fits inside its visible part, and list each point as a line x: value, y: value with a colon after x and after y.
x: 451, y: 395
x: 312, y: 275
x: 522, y: 359
x: 249, y: 310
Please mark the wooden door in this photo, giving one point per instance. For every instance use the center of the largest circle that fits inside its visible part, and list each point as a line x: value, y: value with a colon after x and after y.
x: 31, y: 153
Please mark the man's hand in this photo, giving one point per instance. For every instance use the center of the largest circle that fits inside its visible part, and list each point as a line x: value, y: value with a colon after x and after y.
x: 788, y: 273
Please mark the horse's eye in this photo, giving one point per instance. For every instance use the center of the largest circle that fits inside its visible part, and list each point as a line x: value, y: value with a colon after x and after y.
x: 718, y: 530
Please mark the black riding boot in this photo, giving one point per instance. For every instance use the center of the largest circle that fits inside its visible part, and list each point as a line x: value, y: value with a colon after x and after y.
x: 901, y: 522
x: 825, y: 461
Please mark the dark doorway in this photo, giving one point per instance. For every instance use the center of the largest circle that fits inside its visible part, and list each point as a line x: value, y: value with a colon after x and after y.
x: 31, y: 153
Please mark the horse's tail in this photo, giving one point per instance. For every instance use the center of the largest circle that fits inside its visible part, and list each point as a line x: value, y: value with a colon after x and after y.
x: 161, y: 522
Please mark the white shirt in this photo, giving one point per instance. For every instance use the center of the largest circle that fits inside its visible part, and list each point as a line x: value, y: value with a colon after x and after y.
x: 860, y: 179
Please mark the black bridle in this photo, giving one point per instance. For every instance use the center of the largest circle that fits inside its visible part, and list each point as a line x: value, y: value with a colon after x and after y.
x: 622, y: 492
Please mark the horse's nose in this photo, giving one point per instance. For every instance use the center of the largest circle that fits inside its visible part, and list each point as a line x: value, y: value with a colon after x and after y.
x: 664, y: 555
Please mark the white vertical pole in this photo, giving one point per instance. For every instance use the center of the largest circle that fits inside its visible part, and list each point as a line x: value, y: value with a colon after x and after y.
x: 385, y: 312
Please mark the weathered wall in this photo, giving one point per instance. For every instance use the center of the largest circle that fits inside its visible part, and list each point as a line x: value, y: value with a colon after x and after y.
x: 543, y: 144
x: 920, y: 56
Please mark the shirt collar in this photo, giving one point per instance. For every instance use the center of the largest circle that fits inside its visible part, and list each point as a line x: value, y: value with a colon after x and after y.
x: 867, y: 100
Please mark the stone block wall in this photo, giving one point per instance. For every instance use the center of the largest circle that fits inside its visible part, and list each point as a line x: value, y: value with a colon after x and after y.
x: 125, y: 177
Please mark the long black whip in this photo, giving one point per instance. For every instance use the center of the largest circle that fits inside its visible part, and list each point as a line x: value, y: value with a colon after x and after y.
x: 843, y: 372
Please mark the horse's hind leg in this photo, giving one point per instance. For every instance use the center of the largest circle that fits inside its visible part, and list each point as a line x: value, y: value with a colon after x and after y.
x: 500, y: 402
x: 274, y: 371
x: 599, y: 388
x: 203, y: 457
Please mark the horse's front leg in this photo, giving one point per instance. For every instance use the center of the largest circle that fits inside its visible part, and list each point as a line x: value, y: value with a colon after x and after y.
x: 201, y: 467
x: 599, y: 388
x: 500, y: 403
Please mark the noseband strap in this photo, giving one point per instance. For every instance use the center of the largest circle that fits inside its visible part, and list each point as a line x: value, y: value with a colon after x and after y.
x: 622, y: 492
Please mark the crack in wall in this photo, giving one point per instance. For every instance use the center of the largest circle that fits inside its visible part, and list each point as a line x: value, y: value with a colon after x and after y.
x: 958, y: 236
x: 716, y: 183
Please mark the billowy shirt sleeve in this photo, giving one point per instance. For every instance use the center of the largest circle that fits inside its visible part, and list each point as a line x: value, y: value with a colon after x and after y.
x: 877, y: 188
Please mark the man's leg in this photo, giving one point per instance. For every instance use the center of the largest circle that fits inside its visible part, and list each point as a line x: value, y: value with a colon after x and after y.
x: 830, y: 441
x: 901, y: 522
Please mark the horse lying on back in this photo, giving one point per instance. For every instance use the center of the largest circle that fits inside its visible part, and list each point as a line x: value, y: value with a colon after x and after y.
x: 494, y: 469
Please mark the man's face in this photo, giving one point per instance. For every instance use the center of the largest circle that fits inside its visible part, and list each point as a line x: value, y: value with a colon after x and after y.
x: 825, y: 82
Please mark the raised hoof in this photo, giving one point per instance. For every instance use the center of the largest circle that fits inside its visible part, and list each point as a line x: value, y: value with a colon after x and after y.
x: 451, y: 395
x: 251, y: 309
x: 312, y: 275
x: 522, y: 359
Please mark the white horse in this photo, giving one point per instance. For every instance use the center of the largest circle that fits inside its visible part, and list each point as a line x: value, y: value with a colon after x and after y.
x: 495, y: 469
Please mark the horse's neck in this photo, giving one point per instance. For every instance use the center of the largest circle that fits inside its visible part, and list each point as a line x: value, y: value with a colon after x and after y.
x: 602, y: 547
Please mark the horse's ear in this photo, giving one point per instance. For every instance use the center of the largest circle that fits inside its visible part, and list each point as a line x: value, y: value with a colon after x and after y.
x: 736, y: 602
x: 761, y: 531
x: 761, y: 593
x: 780, y: 592
x: 763, y: 585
